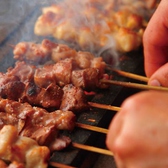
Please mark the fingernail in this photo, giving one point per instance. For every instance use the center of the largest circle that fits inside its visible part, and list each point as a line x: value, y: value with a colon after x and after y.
x: 154, y: 83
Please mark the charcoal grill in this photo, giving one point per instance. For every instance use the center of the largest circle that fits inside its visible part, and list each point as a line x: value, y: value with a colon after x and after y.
x: 131, y: 62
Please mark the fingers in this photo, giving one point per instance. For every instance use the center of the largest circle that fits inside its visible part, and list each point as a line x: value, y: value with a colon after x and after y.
x: 116, y: 138
x: 155, y: 39
x: 138, y: 133
x: 160, y: 77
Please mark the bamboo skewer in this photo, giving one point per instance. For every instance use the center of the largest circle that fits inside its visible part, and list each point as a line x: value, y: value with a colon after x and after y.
x: 103, y: 106
x: 60, y: 165
x: 83, y: 147
x: 134, y: 85
x: 92, y: 149
x: 129, y: 75
x: 92, y: 128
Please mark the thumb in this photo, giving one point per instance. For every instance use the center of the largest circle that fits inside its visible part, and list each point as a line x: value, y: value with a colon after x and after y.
x: 160, y: 77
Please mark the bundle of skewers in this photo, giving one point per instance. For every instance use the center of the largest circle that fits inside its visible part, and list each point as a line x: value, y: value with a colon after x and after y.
x: 44, y: 93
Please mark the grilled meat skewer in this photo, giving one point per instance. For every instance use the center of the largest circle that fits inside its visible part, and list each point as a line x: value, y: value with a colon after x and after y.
x: 21, y: 152
x: 37, y: 123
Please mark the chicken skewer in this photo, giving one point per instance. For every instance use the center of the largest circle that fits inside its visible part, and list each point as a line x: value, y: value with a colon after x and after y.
x: 21, y: 151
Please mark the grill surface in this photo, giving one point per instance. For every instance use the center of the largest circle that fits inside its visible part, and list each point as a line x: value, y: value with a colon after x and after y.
x: 131, y: 62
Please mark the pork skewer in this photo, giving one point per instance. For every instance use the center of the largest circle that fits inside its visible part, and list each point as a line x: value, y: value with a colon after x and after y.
x: 47, y: 50
x: 62, y: 73
x: 42, y: 91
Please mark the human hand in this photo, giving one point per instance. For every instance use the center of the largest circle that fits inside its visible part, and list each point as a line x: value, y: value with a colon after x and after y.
x: 155, y: 41
x: 138, y: 134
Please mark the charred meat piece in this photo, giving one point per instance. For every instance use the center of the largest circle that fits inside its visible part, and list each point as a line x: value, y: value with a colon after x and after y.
x: 45, y: 97
x: 12, y: 90
x: 73, y: 99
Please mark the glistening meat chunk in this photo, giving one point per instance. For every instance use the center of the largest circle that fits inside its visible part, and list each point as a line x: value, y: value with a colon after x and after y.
x: 63, y: 71
x: 20, y: 110
x: 44, y: 76
x: 74, y: 99
x: 34, y: 122
x: 87, y: 79
x: 9, y: 119
x: 42, y: 125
